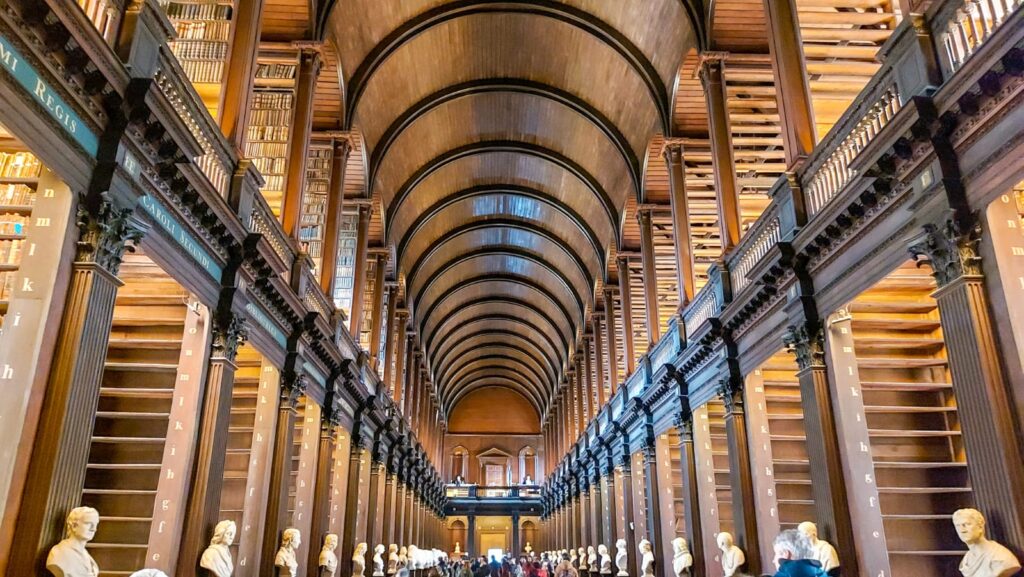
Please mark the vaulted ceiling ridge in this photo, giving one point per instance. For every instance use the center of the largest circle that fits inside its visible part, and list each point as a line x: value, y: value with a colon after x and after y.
x: 467, y: 307
x: 513, y: 337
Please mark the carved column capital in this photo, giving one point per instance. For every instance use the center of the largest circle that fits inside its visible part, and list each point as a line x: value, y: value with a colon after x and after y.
x: 229, y: 333
x: 672, y: 150
x: 951, y: 249
x: 732, y: 396
x: 807, y: 343
x: 105, y: 232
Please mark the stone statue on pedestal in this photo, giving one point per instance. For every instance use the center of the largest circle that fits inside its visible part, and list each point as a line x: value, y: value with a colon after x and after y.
x: 328, y: 562
x: 69, y: 557
x: 378, y: 561
x: 606, y: 559
x: 824, y: 552
x: 733, y: 557
x: 286, y: 563
x: 217, y: 557
x: 591, y: 559
x: 392, y: 559
x: 458, y: 549
x: 528, y: 549
x: 359, y: 560
x: 984, y: 558
x: 646, y: 558
x: 681, y: 558
x: 574, y: 559
x: 621, y: 558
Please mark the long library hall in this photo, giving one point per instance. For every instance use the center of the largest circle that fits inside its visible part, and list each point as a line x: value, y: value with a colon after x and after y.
x: 516, y: 288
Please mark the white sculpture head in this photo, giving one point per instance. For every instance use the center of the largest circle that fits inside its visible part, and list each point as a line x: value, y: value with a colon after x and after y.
x: 360, y: 550
x: 679, y: 546
x: 330, y: 542
x: 602, y: 549
x: 224, y: 533
x: 970, y: 525
x: 809, y: 530
x: 392, y: 549
x: 81, y: 524
x: 291, y: 538
x: 378, y: 549
x: 403, y: 552
x: 645, y: 546
x: 725, y: 541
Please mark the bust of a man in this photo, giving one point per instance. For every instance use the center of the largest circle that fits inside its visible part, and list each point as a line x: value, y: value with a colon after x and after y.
x: 621, y: 558
x: 403, y: 557
x: 217, y: 557
x: 591, y: 559
x: 378, y: 561
x: 392, y: 559
x: 574, y: 558
x: 458, y: 548
x: 681, y: 558
x: 646, y: 558
x: 606, y: 559
x: 359, y: 560
x: 69, y: 557
x: 328, y: 561
x: 824, y: 552
x: 528, y: 549
x: 733, y: 557
x: 984, y: 558
x: 286, y: 563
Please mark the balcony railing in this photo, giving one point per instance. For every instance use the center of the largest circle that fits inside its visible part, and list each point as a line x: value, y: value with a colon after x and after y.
x: 966, y: 26
x: 492, y: 492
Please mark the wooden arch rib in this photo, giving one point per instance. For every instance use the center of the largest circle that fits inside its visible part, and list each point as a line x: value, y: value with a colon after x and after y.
x: 513, y: 190
x: 472, y: 379
x: 484, y: 339
x: 515, y: 85
x: 499, y: 351
x: 560, y: 331
x: 487, y: 146
x: 493, y: 381
x: 466, y: 372
x: 573, y: 16
x: 494, y: 326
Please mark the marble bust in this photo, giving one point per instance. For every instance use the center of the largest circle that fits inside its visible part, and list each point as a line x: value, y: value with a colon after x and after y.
x: 392, y: 559
x: 824, y: 552
x: 458, y: 548
x: 574, y: 559
x: 606, y: 559
x: 528, y: 549
x: 359, y: 560
x: 378, y: 561
x: 403, y: 558
x: 984, y: 558
x: 286, y: 562
x: 69, y: 557
x: 621, y: 558
x: 591, y: 559
x: 646, y: 558
x: 328, y: 562
x: 682, y: 560
x: 217, y: 557
x: 732, y: 556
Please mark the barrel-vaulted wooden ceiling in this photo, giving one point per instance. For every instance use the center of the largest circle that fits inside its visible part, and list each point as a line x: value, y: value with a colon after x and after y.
x: 504, y: 139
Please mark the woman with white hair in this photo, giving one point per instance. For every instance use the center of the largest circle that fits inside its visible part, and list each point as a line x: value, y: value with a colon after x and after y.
x: 794, y: 556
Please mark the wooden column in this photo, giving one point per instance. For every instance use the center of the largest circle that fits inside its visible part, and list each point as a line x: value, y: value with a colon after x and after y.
x: 202, y: 512
x: 995, y: 457
x: 240, y: 69
x: 298, y: 146
x: 743, y: 505
x: 374, y: 519
x: 626, y: 305
x: 359, y: 277
x: 398, y: 530
x: 628, y: 533
x: 276, y: 519
x: 706, y: 506
x: 613, y: 347
x: 650, y: 275
x: 335, y: 208
x: 583, y: 376
x: 792, y: 89
x: 596, y: 511
x: 389, y: 344
x: 599, y: 361
x: 516, y: 545
x: 832, y: 506
x: 727, y: 197
x: 387, y: 533
x: 398, y: 384
x: 654, y: 511
x: 321, y: 511
x: 377, y: 312
x: 357, y: 461
x: 584, y: 517
x: 610, y: 529
x: 60, y: 451
x: 673, y: 154
x: 691, y: 492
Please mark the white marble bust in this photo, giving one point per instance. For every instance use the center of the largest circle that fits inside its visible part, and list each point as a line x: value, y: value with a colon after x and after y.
x: 592, y: 559
x: 328, y: 561
x: 606, y: 559
x: 824, y: 552
x: 359, y: 560
x: 286, y: 562
x: 392, y: 559
x: 69, y: 557
x: 621, y: 558
x: 574, y: 558
x: 414, y: 558
x: 217, y: 557
x: 984, y: 558
x: 646, y: 558
x: 681, y: 558
x: 403, y: 558
x: 732, y: 556
x: 378, y: 561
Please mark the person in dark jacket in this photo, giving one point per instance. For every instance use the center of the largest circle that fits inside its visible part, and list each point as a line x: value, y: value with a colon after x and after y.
x: 794, y: 556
